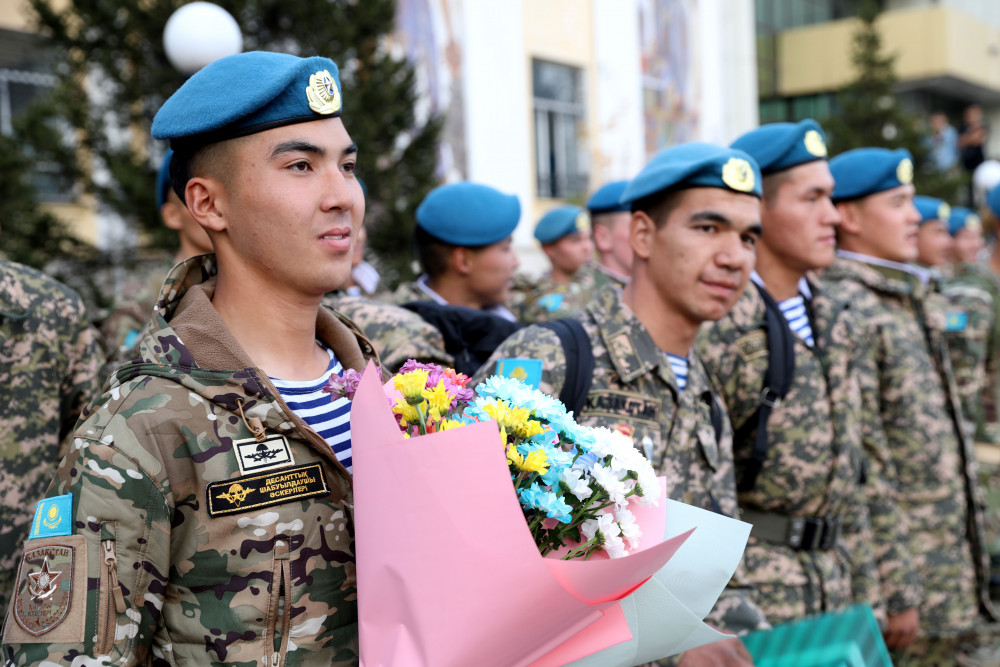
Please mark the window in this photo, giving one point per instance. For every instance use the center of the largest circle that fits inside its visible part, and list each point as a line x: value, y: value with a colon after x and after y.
x: 560, y: 151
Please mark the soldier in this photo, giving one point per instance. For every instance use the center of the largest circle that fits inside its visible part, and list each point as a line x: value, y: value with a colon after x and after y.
x: 204, y: 512
x: 134, y: 306
x: 923, y: 453
x: 49, y: 365
x: 564, y: 233
x: 463, y: 238
x: 695, y: 222
x: 610, y: 219
x: 802, y: 490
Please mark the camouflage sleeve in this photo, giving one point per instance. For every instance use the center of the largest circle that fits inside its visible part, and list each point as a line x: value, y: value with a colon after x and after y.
x: 531, y: 343
x: 901, y: 588
x: 860, y: 543
x: 735, y: 611
x: 114, y: 566
x: 82, y: 380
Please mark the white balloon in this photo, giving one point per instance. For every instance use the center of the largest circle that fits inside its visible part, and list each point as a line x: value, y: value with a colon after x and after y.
x: 200, y: 33
x: 985, y: 178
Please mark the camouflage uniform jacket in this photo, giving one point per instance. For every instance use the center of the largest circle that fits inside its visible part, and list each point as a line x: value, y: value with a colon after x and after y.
x: 922, y: 453
x: 413, y: 291
x: 635, y: 391
x: 984, y: 321
x: 815, y: 454
x: 178, y: 556
x: 396, y: 333
x: 49, y: 362
x: 605, y: 276
x: 548, y: 300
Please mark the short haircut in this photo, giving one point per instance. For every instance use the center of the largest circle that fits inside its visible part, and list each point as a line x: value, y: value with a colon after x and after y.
x: 207, y: 160
x: 433, y: 254
x: 771, y: 183
x: 659, y: 205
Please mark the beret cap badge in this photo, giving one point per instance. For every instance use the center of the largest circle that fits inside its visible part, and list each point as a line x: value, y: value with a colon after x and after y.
x: 814, y: 144
x: 738, y: 175
x: 944, y: 212
x: 904, y: 172
x: 322, y: 93
x: 582, y: 223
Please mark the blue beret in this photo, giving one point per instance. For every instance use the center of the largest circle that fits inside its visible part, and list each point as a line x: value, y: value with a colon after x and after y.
x: 248, y: 93
x: 866, y: 171
x: 608, y: 199
x: 932, y: 208
x: 695, y: 165
x: 560, y: 222
x: 962, y: 218
x: 163, y: 180
x: 468, y: 214
x: 780, y: 146
x: 993, y: 200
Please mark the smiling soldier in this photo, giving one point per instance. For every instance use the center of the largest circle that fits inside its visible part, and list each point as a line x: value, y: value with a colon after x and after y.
x: 694, y: 227
x: 204, y: 510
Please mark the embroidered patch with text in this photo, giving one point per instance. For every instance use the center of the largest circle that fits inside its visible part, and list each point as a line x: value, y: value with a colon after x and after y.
x: 254, y: 456
x: 244, y: 494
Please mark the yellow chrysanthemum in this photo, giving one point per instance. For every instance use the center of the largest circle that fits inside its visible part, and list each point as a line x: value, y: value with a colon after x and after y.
x: 514, y: 420
x: 407, y: 411
x: 536, y: 461
x: 411, y: 384
x: 448, y: 424
x: 514, y: 457
x: 438, y: 399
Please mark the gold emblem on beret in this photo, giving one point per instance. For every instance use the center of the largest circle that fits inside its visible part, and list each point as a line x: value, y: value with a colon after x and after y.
x: 322, y: 93
x: 813, y: 141
x: 974, y: 223
x: 904, y: 172
x: 944, y: 211
x: 738, y: 175
x: 582, y: 223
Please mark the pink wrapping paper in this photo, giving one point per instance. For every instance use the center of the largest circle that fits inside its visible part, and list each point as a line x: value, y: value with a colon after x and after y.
x: 448, y: 573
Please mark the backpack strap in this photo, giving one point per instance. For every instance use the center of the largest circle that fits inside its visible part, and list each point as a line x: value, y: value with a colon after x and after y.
x: 579, y: 362
x: 777, y: 381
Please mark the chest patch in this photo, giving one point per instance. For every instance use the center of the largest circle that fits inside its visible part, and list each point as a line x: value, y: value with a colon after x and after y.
x: 752, y: 346
x: 254, y: 456
x: 245, y: 494
x: 623, y: 406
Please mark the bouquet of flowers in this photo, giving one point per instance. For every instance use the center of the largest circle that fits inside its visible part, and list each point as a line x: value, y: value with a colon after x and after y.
x: 574, y: 482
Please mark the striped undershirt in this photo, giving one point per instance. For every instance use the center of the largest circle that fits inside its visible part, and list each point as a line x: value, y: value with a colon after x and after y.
x: 794, y: 310
x: 331, y: 419
x: 679, y: 365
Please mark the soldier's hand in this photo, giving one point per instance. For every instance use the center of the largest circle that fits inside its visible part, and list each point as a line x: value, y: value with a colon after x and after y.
x: 902, y: 628
x: 727, y: 653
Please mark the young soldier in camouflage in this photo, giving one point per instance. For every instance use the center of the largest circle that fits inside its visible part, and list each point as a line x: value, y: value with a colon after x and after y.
x: 198, y: 519
x: 609, y: 221
x: 695, y: 222
x: 810, y: 549
x: 49, y: 363
x: 924, y: 455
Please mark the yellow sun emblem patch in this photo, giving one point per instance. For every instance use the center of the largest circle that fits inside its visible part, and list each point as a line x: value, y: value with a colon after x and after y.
x: 738, y: 175
x: 813, y: 141
x: 322, y: 93
x: 904, y: 172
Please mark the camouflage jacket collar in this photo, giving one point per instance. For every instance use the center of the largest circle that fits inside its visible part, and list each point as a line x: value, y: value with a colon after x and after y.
x: 878, y: 278
x: 630, y: 347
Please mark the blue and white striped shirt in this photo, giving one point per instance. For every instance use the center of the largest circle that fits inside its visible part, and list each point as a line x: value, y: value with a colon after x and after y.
x: 331, y: 419
x: 794, y: 310
x: 679, y: 365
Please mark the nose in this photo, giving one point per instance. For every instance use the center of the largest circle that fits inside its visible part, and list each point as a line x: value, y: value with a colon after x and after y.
x: 340, y: 192
x: 912, y: 214
x: 733, y: 253
x: 831, y: 214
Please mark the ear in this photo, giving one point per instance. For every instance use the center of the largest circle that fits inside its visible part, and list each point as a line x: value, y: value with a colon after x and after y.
x: 850, y: 219
x: 206, y: 201
x: 641, y: 233
x: 171, y: 216
x: 602, y: 238
x: 462, y: 260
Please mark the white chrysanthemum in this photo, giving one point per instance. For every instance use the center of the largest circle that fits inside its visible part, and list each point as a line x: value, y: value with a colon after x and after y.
x: 615, y: 547
x: 629, y: 528
x: 577, y: 483
x: 611, y: 482
x: 604, y: 524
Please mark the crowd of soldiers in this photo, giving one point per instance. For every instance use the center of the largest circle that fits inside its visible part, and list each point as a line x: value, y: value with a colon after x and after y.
x: 801, y: 342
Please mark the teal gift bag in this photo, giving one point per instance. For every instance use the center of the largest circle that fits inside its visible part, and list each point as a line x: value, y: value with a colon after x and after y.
x: 847, y: 638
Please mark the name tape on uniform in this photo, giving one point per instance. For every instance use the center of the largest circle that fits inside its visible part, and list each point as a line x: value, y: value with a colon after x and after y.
x: 244, y: 494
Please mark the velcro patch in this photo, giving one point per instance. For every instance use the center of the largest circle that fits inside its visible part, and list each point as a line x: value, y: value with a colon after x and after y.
x: 53, y: 517
x: 551, y: 302
x: 623, y: 406
x: 528, y: 371
x: 254, y: 456
x: 49, y: 604
x: 244, y: 494
x: 753, y: 345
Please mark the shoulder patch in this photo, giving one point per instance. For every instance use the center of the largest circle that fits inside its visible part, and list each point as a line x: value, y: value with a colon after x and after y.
x: 244, y: 494
x: 753, y: 345
x: 956, y: 321
x: 50, y: 593
x: 528, y: 371
x: 53, y: 517
x: 551, y: 302
x: 272, y: 452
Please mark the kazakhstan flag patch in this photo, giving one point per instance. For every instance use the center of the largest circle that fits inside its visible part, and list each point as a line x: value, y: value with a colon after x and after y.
x: 956, y: 321
x: 53, y: 517
x: 528, y: 371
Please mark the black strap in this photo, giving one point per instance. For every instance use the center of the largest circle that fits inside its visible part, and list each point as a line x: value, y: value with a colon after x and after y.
x: 579, y: 362
x: 777, y: 381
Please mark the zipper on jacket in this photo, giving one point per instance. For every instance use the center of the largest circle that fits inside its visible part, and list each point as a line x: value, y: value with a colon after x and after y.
x: 281, y: 603
x: 111, y: 600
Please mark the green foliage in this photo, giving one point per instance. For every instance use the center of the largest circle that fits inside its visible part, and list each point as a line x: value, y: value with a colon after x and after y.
x: 114, y: 50
x: 868, y: 113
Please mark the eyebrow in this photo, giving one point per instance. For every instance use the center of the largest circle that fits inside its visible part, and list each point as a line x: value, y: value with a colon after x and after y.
x: 713, y: 216
x: 298, y: 146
